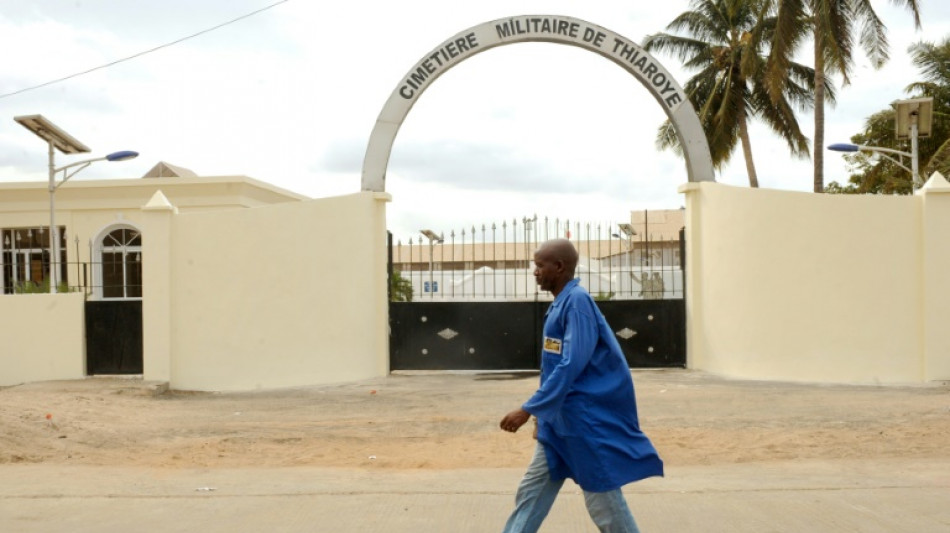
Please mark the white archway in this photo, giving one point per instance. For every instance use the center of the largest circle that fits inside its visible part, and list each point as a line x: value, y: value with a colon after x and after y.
x: 537, y: 28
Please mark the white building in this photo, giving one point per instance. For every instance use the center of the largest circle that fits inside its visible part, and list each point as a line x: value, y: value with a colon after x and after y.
x: 99, y: 225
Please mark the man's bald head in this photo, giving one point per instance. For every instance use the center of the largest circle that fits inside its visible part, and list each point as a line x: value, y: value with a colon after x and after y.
x: 562, y: 251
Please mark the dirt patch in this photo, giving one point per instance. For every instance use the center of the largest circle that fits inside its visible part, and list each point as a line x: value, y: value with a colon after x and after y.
x: 446, y: 421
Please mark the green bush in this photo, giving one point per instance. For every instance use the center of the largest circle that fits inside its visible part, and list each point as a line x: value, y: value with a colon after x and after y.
x: 32, y: 287
x: 400, y: 288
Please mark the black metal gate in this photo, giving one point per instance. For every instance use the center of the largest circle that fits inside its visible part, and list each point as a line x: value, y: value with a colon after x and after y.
x: 463, y: 301
x: 464, y: 335
x: 114, y: 337
x: 506, y: 335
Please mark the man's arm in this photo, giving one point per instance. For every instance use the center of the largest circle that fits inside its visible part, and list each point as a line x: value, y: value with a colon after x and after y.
x: 580, y: 338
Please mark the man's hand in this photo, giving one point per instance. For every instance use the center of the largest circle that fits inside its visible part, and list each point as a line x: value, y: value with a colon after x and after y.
x: 514, y: 420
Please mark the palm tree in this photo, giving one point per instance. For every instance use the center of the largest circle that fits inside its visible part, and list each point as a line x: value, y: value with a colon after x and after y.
x: 933, y: 60
x: 832, y: 25
x: 724, y: 44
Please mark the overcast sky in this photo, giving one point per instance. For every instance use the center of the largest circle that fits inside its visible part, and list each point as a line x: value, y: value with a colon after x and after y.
x: 290, y: 95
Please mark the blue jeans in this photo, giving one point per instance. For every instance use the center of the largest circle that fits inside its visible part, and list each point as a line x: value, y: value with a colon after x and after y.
x: 537, y: 492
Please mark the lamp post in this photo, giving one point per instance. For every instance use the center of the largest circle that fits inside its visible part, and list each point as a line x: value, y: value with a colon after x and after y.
x: 529, y: 225
x: 912, y: 119
x: 58, y: 139
x: 529, y: 230
x: 626, y: 241
x: 845, y: 147
x: 628, y: 232
x: 433, y: 238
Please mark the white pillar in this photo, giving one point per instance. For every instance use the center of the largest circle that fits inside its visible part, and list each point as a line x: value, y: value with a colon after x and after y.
x: 157, y: 345
x: 693, y: 288
x: 381, y: 258
x: 936, y: 278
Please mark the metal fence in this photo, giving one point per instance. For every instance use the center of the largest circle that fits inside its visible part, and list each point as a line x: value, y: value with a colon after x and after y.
x: 495, y: 261
x: 25, y: 263
x: 104, y: 279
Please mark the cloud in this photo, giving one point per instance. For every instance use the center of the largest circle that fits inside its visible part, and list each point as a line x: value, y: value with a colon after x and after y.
x: 290, y: 97
x: 479, y: 166
x: 18, y: 161
x: 473, y: 166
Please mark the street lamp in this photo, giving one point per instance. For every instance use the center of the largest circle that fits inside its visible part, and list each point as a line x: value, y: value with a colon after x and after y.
x: 912, y: 119
x: 67, y: 144
x: 529, y: 225
x: 433, y: 238
x: 628, y: 232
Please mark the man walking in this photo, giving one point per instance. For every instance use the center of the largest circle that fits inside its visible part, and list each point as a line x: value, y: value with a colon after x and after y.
x: 585, y: 408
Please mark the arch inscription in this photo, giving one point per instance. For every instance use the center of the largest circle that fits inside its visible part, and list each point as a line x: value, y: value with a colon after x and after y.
x: 537, y: 28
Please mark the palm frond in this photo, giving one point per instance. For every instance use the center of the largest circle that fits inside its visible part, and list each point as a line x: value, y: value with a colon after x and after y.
x: 781, y: 118
x: 873, y: 32
x: 788, y: 34
x: 914, y: 7
x: 695, y: 23
x: 939, y: 161
x: 682, y: 47
x: 833, y: 39
x: 666, y: 138
x: 933, y: 60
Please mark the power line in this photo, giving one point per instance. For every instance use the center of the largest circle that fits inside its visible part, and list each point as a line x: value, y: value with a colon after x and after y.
x: 149, y: 51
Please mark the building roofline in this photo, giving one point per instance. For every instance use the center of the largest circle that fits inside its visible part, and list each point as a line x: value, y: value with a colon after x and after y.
x: 153, y: 182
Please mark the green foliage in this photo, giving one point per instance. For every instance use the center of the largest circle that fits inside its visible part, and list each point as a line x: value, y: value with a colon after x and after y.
x: 877, y: 175
x: 31, y: 287
x: 604, y: 296
x: 400, y: 288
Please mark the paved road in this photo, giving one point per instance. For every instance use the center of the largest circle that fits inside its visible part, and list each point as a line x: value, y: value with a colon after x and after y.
x: 805, y: 496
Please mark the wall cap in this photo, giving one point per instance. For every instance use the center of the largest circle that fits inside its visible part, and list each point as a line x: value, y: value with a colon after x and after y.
x: 936, y: 184
x: 688, y: 187
x: 159, y: 202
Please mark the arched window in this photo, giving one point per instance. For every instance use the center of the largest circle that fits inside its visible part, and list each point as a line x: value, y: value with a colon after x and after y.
x: 120, y: 264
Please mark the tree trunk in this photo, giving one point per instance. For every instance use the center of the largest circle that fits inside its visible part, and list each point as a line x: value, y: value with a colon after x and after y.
x: 818, y: 151
x: 747, y: 151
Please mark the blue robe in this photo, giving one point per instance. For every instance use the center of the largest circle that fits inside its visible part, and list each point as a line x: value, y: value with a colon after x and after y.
x: 586, y: 407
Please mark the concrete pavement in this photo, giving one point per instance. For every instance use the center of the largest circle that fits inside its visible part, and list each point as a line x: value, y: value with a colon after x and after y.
x: 903, y: 495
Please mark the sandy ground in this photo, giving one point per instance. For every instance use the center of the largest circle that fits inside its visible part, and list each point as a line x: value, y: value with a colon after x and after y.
x: 449, y: 421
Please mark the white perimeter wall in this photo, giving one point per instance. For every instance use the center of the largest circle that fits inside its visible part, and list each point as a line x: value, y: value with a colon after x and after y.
x: 276, y: 296
x: 780, y: 286
x: 43, y: 338
x: 825, y: 288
